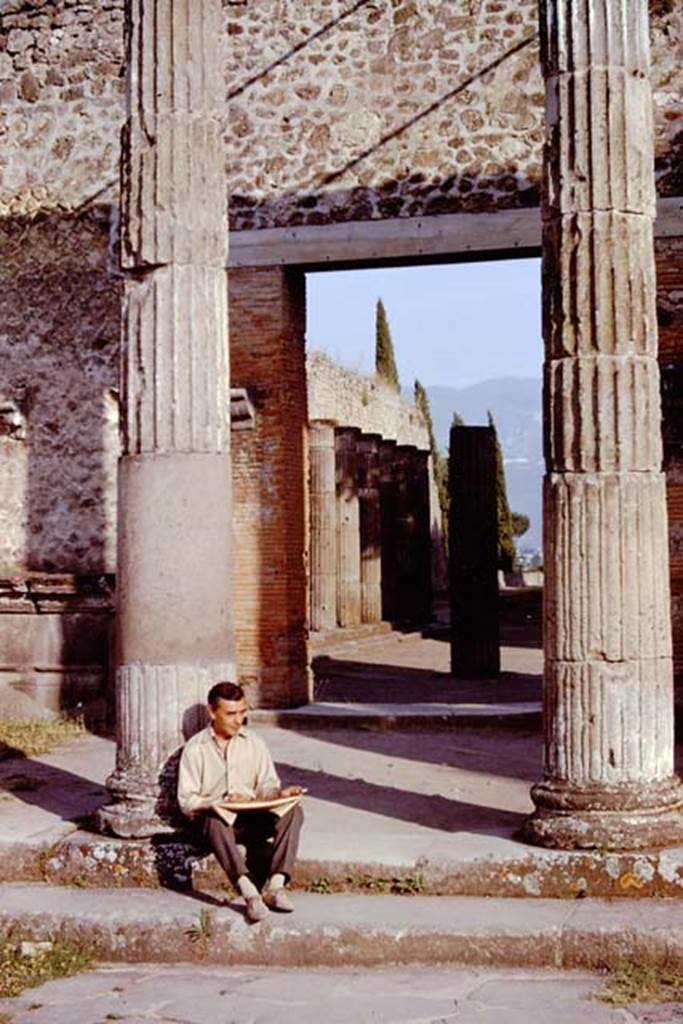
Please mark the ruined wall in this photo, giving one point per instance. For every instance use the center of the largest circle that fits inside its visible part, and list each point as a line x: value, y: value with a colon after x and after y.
x: 335, y: 110
x: 58, y: 456
x: 59, y: 347
x: 354, y: 400
x: 338, y: 109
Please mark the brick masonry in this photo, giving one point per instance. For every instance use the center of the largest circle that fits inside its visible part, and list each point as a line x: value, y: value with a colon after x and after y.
x: 669, y: 255
x: 267, y: 316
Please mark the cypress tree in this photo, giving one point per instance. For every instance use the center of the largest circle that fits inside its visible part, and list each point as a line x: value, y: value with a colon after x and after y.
x: 422, y: 403
x: 385, y: 362
x: 506, y: 544
x: 439, y: 461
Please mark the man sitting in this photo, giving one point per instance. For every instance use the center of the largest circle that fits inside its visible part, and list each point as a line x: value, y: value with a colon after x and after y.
x: 227, y: 763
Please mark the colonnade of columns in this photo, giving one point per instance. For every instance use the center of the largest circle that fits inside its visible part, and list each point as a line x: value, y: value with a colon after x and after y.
x: 608, y: 778
x: 370, y: 546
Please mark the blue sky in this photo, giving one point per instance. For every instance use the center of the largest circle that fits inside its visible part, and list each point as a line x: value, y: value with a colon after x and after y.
x: 452, y: 325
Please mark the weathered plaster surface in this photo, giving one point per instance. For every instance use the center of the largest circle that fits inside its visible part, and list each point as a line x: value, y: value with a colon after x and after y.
x: 336, y: 109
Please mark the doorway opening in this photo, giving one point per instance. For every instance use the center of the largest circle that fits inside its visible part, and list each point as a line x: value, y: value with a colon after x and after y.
x: 467, y: 336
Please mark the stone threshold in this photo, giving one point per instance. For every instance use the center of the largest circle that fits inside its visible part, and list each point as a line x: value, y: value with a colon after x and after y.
x: 162, y: 926
x: 481, y: 866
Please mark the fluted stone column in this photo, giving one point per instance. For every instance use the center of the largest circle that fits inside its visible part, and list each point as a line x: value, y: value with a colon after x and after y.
x: 323, y: 528
x: 175, y: 629
x: 348, y: 527
x: 370, y: 529
x: 609, y: 776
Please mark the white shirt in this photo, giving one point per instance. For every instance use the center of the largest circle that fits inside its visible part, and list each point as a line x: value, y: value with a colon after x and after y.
x: 208, y: 773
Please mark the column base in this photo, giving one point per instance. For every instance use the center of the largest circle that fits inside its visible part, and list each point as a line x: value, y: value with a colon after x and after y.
x: 132, y: 819
x: 142, y: 807
x: 624, y: 818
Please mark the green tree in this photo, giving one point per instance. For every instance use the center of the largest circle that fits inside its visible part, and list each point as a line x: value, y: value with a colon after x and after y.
x: 520, y: 524
x: 439, y: 461
x: 385, y: 362
x: 422, y: 403
x: 506, y: 544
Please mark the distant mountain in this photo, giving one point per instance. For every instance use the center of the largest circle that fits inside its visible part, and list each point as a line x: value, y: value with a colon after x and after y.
x: 516, y: 408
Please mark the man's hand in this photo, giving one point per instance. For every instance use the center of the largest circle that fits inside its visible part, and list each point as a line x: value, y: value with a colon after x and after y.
x: 237, y: 798
x: 276, y: 794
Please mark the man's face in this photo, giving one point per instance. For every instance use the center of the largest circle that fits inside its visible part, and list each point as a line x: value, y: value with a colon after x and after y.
x: 227, y: 717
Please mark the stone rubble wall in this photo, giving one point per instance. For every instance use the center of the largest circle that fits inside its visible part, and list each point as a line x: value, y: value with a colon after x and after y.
x: 336, y: 110
x: 59, y: 350
x: 354, y: 400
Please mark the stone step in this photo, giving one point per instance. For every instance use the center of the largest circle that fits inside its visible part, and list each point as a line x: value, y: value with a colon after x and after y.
x: 477, y: 866
x: 164, y: 926
x: 417, y: 717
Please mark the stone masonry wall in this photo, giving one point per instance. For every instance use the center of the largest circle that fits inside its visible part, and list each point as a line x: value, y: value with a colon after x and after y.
x: 336, y: 109
x: 353, y: 400
x: 59, y: 348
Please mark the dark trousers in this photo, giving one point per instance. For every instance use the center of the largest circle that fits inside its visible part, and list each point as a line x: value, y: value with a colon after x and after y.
x: 254, y: 829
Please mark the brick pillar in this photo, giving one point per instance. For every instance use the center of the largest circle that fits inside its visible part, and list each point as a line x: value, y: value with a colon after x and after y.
x: 348, y: 527
x: 473, y: 536
x: 323, y: 526
x: 370, y: 528
x: 175, y: 627
x: 608, y: 777
x: 388, y: 499
x: 270, y: 479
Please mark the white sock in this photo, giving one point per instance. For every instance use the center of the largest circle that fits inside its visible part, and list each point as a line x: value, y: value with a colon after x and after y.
x: 246, y: 887
x: 275, y: 882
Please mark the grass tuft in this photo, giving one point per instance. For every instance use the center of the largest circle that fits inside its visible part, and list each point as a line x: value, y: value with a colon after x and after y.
x: 19, y: 972
x: 643, y: 983
x: 398, y: 885
x: 21, y: 737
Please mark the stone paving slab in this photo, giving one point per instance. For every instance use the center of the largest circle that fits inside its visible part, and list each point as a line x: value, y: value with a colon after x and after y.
x: 164, y: 926
x: 197, y: 994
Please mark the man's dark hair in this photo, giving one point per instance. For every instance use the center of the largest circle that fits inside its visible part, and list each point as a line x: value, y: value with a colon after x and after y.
x: 224, y: 691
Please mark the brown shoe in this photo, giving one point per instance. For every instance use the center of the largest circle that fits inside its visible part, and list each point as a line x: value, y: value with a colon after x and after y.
x: 255, y: 909
x: 278, y: 899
